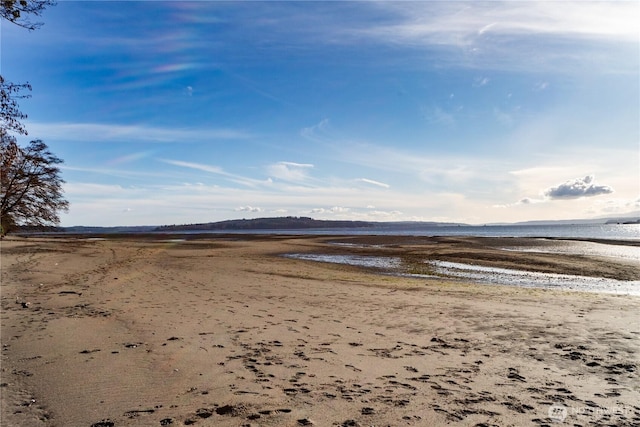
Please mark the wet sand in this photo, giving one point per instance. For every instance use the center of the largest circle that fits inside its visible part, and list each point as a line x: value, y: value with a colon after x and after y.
x: 225, y: 332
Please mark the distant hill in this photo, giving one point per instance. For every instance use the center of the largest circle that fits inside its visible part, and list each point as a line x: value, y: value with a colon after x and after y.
x: 276, y: 223
x: 301, y: 223
x: 120, y: 229
x: 628, y: 218
x: 623, y: 221
x: 298, y: 223
x: 279, y: 223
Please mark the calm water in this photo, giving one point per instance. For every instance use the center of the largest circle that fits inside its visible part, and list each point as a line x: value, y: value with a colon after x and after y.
x: 591, y: 231
x: 530, y: 279
x: 488, y: 275
x: 480, y: 274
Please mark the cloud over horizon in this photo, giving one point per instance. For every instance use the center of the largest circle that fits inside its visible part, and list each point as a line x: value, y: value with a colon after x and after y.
x: 576, y: 188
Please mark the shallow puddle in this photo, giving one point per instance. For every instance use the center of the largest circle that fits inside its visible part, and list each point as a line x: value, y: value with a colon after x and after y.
x: 489, y: 275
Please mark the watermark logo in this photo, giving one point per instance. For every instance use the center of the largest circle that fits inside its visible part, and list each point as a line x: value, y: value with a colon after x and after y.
x: 557, y: 413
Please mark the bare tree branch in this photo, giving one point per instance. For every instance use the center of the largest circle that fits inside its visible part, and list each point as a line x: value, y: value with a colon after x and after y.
x: 18, y: 11
x: 31, y: 185
x: 10, y: 114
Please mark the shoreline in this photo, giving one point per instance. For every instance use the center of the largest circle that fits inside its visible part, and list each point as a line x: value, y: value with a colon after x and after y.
x: 224, y: 331
x: 486, y: 251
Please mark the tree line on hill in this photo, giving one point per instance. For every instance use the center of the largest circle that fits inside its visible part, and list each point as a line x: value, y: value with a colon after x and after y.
x: 279, y: 223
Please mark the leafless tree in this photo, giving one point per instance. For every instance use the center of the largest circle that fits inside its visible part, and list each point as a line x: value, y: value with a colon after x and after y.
x: 10, y: 114
x: 18, y: 11
x: 31, y: 185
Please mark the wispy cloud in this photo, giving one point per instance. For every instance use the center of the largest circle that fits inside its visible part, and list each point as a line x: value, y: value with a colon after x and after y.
x: 290, y: 171
x: 502, y: 117
x: 372, y: 182
x: 481, y: 81
x: 316, y: 132
x: 101, y: 132
x: 540, y: 86
x: 463, y: 22
x: 440, y: 171
x: 438, y: 116
x: 249, y: 182
x: 81, y: 190
x: 114, y: 172
x: 480, y: 32
x: 197, y: 166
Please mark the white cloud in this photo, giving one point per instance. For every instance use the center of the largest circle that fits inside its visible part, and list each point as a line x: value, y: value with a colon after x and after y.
x: 333, y: 210
x: 486, y: 28
x: 372, y: 182
x: 290, y: 171
x: 197, y: 166
x: 392, y: 215
x: 577, y: 188
x: 248, y: 209
x: 339, y: 209
x: 296, y: 165
x: 480, y: 81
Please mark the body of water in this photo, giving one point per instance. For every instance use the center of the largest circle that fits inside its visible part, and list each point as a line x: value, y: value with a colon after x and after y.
x: 573, y: 231
x: 571, y: 242
x: 487, y: 275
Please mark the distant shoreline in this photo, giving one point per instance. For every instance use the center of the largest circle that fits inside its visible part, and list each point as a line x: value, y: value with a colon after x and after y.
x: 292, y: 224
x: 481, y: 250
x: 591, y: 232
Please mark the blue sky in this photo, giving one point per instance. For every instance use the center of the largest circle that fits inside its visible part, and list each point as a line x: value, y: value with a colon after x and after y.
x: 477, y: 112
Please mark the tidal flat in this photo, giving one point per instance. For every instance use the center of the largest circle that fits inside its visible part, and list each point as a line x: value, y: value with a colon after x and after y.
x: 226, y: 331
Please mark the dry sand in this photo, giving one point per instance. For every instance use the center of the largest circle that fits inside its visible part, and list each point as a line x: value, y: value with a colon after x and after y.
x: 222, y: 332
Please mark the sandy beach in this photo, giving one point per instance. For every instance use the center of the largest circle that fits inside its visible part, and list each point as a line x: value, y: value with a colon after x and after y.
x: 224, y: 331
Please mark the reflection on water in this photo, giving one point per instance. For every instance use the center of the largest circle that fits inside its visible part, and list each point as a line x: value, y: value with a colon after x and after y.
x: 489, y: 275
x: 568, y: 231
x: 585, y: 248
x: 529, y: 279
x: 390, y: 263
